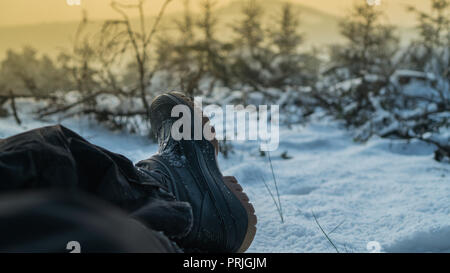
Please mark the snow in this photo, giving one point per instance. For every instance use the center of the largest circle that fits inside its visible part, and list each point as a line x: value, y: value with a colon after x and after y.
x: 386, y: 191
x: 413, y: 74
x: 389, y: 191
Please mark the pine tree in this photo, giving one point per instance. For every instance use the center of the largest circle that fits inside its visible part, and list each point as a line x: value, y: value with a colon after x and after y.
x: 290, y: 67
x: 431, y: 53
x: 183, y: 56
x: 285, y: 36
x: 251, y: 57
x: 249, y: 31
x: 211, y: 60
x: 434, y: 27
x: 370, y: 45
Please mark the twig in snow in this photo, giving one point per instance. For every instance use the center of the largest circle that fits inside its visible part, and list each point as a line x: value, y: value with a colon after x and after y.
x: 273, y: 198
x: 334, y: 229
x: 324, y: 233
x: 280, y: 210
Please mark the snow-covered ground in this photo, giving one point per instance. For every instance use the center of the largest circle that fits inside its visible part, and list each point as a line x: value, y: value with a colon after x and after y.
x: 392, y: 192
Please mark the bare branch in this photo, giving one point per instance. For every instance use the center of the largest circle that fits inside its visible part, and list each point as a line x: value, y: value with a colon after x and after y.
x: 156, y: 23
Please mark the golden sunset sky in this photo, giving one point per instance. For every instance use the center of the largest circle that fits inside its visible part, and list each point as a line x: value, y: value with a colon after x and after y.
x: 49, y: 25
x: 20, y: 12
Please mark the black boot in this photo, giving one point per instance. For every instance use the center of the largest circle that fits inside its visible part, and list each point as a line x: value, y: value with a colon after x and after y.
x: 224, y: 220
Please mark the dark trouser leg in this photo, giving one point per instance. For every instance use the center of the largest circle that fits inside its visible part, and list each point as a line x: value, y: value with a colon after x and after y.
x: 47, y: 221
x: 56, y: 157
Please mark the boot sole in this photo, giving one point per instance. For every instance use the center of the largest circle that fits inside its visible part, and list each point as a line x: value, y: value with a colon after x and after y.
x: 230, y: 182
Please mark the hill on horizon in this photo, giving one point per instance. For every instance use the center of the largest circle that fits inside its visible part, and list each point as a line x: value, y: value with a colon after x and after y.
x: 319, y: 28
